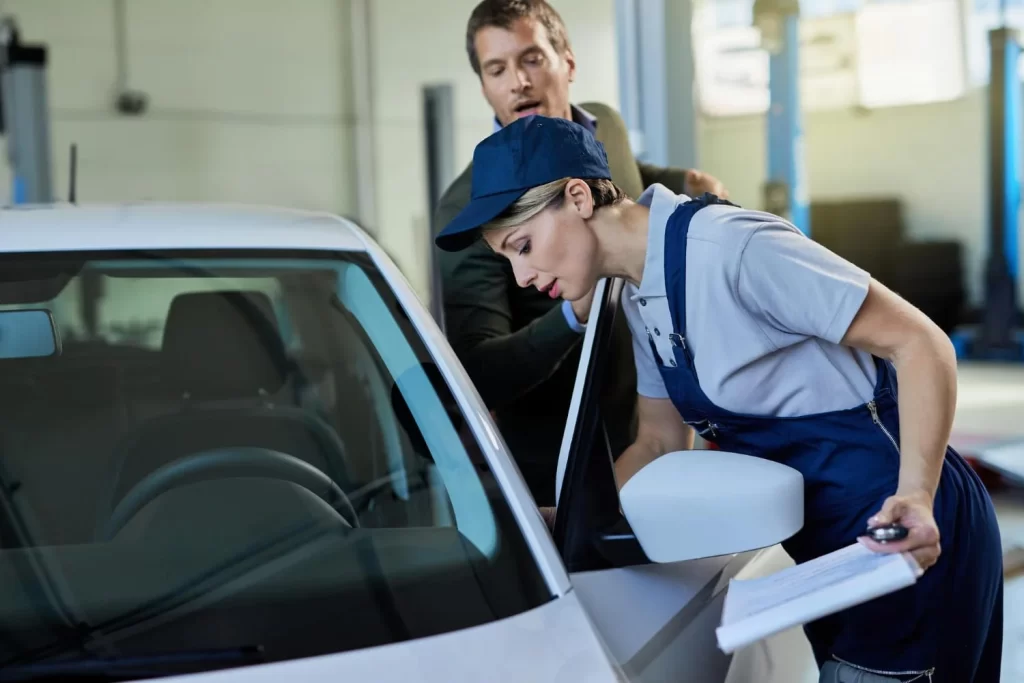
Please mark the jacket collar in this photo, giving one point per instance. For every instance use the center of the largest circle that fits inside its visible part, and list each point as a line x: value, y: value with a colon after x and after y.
x: 579, y: 115
x: 662, y: 202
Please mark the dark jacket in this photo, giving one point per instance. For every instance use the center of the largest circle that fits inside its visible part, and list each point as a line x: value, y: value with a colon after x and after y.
x: 515, y: 343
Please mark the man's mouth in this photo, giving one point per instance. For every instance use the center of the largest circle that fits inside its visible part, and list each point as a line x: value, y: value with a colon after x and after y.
x: 527, y: 108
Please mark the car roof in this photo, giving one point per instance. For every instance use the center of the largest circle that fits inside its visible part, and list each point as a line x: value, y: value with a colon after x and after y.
x: 163, y: 225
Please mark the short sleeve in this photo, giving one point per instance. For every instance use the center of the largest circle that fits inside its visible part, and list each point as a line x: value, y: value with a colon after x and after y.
x: 795, y: 286
x: 649, y: 382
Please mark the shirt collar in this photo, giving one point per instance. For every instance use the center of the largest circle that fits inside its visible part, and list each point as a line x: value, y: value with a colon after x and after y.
x: 579, y: 115
x: 662, y: 203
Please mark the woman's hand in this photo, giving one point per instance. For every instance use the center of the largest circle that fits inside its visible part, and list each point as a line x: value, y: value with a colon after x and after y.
x: 548, y: 513
x: 913, y: 511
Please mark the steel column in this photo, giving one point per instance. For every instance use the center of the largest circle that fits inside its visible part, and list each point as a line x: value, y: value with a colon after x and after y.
x: 25, y: 116
x: 656, y: 80
x: 439, y: 122
x: 785, y: 190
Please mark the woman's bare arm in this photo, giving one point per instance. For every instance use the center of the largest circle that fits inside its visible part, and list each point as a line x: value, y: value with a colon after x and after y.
x: 891, y: 328
x: 660, y: 430
x: 925, y: 363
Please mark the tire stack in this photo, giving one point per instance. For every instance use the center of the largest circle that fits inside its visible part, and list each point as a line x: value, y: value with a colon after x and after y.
x: 870, y: 233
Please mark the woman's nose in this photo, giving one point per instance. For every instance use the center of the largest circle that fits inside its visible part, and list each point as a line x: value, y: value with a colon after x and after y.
x: 524, y: 276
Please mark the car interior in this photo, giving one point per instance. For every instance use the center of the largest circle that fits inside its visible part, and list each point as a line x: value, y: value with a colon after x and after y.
x: 218, y: 466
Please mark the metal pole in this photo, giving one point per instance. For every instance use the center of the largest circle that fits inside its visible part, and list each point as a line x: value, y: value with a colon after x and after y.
x: 667, y: 97
x: 785, y: 191
x: 361, y: 71
x: 26, y: 118
x: 1001, y: 272
x: 627, y: 34
x: 439, y: 123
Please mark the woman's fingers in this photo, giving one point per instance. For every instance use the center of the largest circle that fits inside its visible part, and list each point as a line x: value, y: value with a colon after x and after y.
x: 922, y: 541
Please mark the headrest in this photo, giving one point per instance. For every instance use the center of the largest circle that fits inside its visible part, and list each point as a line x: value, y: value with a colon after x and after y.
x: 226, y: 344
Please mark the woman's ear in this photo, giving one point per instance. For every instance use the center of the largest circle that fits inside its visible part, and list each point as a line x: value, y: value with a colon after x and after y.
x: 578, y: 196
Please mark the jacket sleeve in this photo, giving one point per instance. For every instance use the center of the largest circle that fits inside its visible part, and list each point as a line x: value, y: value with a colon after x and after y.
x: 672, y: 178
x: 502, y: 363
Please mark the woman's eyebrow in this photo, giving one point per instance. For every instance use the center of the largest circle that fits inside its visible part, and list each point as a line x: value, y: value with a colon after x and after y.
x: 504, y: 242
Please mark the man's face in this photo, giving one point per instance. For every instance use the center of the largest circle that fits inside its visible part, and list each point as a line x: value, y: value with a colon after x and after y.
x: 521, y: 74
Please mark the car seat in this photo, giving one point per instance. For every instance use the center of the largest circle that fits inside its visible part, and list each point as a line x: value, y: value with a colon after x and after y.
x: 225, y: 362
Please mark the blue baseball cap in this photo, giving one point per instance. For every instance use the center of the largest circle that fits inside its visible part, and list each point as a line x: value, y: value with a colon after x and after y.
x: 527, y: 153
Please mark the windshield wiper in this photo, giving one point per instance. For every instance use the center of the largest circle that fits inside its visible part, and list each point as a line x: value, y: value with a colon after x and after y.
x: 132, y: 667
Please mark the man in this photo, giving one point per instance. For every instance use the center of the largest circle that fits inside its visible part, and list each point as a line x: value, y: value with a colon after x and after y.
x: 522, y: 347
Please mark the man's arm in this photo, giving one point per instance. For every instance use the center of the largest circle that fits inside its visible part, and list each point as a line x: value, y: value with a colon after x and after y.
x: 661, y: 430
x: 502, y: 364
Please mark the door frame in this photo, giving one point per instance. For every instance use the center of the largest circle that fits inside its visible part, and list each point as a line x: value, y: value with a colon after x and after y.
x: 590, y: 532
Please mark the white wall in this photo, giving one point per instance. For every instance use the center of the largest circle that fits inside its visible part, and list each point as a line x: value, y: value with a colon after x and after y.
x: 247, y: 99
x: 252, y: 101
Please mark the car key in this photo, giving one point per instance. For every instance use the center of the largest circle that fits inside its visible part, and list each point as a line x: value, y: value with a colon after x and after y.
x: 888, y: 533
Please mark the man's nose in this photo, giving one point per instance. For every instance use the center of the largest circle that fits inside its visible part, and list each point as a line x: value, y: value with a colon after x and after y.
x: 522, y: 82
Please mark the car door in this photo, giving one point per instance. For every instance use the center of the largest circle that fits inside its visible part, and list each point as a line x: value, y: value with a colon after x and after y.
x: 658, y: 620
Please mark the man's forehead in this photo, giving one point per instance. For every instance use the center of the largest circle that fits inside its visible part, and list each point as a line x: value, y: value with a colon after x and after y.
x: 524, y: 33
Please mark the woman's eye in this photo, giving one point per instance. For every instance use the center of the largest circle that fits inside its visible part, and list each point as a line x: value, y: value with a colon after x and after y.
x: 525, y: 249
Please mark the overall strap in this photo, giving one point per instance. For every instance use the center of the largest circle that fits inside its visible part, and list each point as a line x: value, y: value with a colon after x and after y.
x: 675, y: 259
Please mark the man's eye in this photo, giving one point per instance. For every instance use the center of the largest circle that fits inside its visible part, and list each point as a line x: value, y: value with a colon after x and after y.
x: 494, y: 73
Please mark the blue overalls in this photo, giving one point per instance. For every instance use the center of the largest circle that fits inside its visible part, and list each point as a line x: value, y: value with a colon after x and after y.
x: 948, y: 627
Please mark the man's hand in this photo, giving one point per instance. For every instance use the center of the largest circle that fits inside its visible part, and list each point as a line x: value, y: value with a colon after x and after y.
x: 698, y: 182
x: 914, y: 511
x: 581, y: 307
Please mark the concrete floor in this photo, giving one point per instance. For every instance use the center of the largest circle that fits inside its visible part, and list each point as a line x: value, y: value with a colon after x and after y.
x: 990, y: 407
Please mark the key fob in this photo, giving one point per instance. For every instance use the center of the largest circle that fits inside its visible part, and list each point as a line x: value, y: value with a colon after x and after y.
x: 888, y: 533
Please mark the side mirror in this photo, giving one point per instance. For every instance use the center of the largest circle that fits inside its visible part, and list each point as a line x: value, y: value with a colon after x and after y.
x: 692, y: 504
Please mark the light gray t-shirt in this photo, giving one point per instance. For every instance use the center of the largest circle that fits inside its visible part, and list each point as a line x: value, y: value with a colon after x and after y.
x: 766, y: 308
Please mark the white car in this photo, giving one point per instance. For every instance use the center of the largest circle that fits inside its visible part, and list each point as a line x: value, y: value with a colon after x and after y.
x: 236, y: 447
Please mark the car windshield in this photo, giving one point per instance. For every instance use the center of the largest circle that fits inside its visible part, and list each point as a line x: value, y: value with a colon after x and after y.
x: 211, y: 459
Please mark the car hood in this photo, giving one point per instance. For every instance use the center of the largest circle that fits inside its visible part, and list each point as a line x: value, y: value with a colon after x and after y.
x: 554, y: 643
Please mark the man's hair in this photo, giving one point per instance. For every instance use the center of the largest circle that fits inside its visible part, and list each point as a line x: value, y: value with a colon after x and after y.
x: 537, y: 199
x: 504, y: 13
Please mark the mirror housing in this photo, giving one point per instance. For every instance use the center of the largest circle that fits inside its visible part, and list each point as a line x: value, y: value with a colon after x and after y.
x: 688, y: 505
x: 28, y: 334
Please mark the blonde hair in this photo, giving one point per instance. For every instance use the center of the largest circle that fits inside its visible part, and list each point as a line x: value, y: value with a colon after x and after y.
x: 537, y: 199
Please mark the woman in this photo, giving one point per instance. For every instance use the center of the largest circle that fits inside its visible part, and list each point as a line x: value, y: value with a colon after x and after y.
x: 768, y: 344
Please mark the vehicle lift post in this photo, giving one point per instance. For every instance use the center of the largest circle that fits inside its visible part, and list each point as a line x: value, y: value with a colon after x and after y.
x: 785, y: 189
x: 998, y: 337
x: 24, y: 116
x: 439, y: 134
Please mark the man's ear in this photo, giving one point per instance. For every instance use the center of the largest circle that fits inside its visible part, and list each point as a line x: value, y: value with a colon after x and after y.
x: 578, y: 195
x: 570, y: 60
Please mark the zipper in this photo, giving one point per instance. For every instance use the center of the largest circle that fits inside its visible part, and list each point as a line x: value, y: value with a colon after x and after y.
x: 874, y: 418
x: 711, y: 427
x: 918, y: 674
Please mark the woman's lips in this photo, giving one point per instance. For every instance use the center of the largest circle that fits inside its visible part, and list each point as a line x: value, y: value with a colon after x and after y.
x: 553, y: 290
